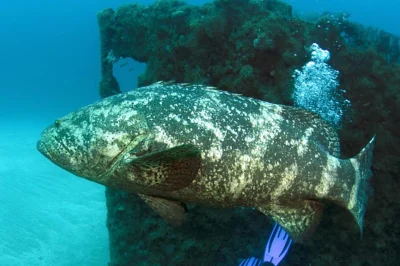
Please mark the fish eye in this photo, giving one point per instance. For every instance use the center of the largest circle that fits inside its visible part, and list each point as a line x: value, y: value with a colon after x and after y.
x: 57, y: 123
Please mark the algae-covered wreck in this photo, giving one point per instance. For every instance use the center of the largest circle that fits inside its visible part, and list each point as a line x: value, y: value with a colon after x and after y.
x: 252, y: 47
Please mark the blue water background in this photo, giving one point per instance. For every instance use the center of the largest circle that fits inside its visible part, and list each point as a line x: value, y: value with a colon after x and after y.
x: 50, y: 65
x: 50, y: 49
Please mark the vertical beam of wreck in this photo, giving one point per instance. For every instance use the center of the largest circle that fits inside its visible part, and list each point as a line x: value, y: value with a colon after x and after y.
x: 108, y: 85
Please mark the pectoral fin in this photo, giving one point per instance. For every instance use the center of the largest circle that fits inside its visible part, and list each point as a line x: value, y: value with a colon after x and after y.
x: 169, y: 210
x: 167, y: 170
x: 299, y: 220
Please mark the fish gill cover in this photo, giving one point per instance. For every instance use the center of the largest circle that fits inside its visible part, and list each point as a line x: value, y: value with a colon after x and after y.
x: 253, y: 48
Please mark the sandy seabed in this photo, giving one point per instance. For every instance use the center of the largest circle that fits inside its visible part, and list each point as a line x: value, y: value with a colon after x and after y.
x: 47, y: 215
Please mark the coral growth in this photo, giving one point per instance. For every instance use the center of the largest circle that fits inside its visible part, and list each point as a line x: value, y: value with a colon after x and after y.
x: 252, y: 47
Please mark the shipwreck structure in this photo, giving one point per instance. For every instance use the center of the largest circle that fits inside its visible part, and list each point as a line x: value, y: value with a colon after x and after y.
x: 252, y: 47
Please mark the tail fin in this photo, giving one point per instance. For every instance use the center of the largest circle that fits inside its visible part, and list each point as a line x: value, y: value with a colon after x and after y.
x: 359, y: 193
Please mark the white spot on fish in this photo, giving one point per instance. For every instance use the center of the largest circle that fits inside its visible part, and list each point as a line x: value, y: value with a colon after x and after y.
x: 303, y: 143
x: 162, y: 136
x: 328, y: 176
x: 174, y: 117
x: 286, y: 181
x: 356, y: 186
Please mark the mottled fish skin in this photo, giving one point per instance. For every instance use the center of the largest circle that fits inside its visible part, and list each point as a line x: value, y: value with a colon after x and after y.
x: 253, y: 153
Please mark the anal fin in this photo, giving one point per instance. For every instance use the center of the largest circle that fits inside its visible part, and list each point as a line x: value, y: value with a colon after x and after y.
x: 300, y: 219
x: 169, y: 210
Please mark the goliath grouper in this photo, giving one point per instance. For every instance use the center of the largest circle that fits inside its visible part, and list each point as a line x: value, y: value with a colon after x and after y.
x: 178, y: 143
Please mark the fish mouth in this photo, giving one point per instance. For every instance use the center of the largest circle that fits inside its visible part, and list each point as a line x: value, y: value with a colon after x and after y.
x: 41, y: 147
x: 46, y: 146
x: 46, y: 151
